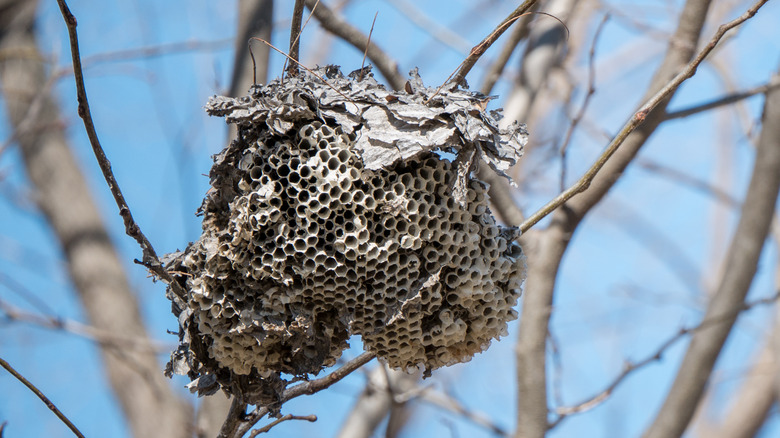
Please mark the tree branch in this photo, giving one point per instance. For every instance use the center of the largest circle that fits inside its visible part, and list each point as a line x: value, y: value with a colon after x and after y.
x: 295, y: 36
x: 639, y: 117
x: 41, y: 396
x: 246, y: 422
x: 723, y: 101
x: 478, y: 50
x: 549, y: 245
x: 267, y: 428
x: 740, y: 267
x: 630, y: 367
x: 150, y: 259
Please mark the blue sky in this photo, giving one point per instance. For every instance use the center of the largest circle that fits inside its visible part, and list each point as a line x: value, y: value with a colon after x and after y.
x: 618, y: 295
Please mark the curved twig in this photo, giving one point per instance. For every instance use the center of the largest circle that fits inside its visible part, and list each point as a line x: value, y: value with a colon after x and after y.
x: 150, y: 259
x: 310, y: 387
x: 43, y: 398
x: 480, y: 48
x: 563, y: 412
x: 288, y: 417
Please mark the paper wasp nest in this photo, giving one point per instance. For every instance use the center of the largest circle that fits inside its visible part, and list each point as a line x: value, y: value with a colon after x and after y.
x: 334, y: 213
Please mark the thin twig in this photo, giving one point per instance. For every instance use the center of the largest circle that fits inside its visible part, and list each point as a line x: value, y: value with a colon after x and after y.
x: 295, y: 37
x: 288, y: 417
x: 637, y: 119
x: 370, y: 32
x: 629, y: 367
x: 591, y: 90
x: 150, y: 259
x: 43, y: 398
x: 480, y: 48
x: 722, y: 101
x: 306, y: 388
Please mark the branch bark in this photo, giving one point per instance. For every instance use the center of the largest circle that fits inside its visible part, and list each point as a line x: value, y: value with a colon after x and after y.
x: 740, y: 268
x: 550, y: 244
x: 149, y: 404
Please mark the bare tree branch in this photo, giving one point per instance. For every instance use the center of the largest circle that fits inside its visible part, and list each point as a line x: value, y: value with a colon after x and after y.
x: 549, y: 245
x: 150, y: 259
x: 630, y: 367
x: 288, y: 417
x: 144, y: 394
x: 339, y: 27
x: 295, y: 35
x: 740, y: 268
x: 238, y: 424
x: 478, y: 50
x: 660, y: 98
x: 723, y: 101
x: 41, y: 396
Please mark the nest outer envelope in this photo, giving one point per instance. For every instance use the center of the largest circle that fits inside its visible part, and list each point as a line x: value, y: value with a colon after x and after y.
x: 387, y: 129
x: 393, y: 125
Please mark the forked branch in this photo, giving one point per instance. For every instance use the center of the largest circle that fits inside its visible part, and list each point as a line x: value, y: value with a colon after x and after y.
x: 238, y: 423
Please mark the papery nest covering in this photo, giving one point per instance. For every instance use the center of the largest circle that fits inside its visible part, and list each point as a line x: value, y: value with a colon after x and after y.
x: 344, y: 208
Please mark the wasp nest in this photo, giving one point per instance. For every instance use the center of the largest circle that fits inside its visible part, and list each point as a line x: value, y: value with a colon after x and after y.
x: 334, y: 213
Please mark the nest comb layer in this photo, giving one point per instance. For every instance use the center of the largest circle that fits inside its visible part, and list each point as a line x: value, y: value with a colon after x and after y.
x: 320, y: 225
